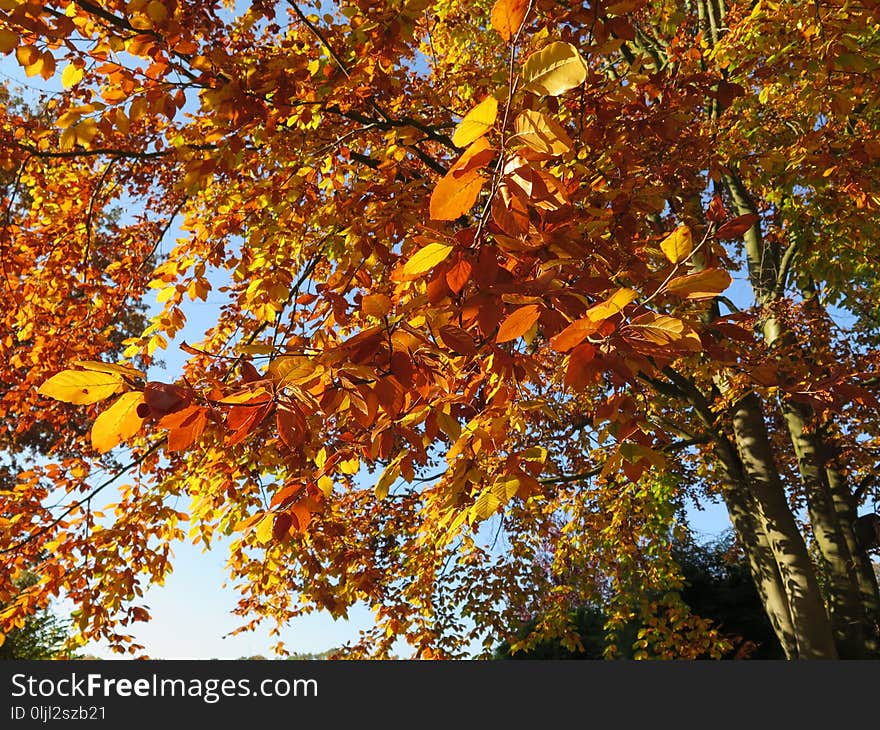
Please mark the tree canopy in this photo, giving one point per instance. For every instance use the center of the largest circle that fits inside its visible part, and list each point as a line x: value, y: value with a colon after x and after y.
x: 501, y: 287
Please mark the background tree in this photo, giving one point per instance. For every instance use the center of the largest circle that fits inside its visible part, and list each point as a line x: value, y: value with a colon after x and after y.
x: 477, y: 255
x: 716, y: 585
x: 44, y: 634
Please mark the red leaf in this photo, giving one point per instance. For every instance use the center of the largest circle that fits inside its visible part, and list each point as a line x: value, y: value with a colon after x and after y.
x: 579, y: 373
x: 281, y: 526
x: 736, y: 227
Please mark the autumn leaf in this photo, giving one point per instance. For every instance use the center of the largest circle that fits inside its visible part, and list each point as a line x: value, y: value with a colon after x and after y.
x: 737, y: 227
x: 611, y: 306
x: 127, y: 371
x: 81, y: 387
x: 703, y: 284
x: 118, y: 423
x: 8, y: 40
x: 426, y: 258
x: 376, y: 305
x: 507, y: 16
x: 476, y: 122
x: 554, y: 70
x: 574, y: 334
x: 542, y: 133
x: 677, y: 246
x: 71, y: 75
x: 455, y: 196
x: 458, y: 340
x: 184, y: 426
x: 662, y: 330
x: 518, y: 322
x: 475, y: 157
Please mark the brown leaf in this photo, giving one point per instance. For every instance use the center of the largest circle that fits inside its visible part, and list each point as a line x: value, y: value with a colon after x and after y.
x: 458, y: 340
x: 736, y: 227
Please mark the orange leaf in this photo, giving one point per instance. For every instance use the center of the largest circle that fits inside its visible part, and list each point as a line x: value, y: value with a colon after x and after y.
x: 704, y: 284
x: 376, y: 305
x: 475, y: 157
x: 458, y: 340
x: 458, y: 275
x: 184, y: 426
x: 453, y: 196
x: 518, y: 322
x: 574, y: 334
x: 579, y: 374
x: 118, y: 423
x: 507, y: 16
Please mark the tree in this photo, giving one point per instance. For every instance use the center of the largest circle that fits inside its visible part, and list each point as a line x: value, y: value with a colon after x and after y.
x: 43, y: 635
x: 717, y: 586
x: 479, y: 344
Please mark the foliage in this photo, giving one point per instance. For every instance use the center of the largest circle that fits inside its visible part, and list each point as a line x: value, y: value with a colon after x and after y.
x: 44, y: 635
x: 716, y: 586
x: 478, y: 343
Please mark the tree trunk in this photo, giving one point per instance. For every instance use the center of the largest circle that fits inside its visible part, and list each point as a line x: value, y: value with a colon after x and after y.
x: 811, y: 623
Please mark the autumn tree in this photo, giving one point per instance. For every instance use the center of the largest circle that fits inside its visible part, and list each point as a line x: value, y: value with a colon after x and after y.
x: 506, y: 285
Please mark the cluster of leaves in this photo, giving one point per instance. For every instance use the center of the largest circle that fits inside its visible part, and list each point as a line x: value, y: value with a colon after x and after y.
x: 473, y: 254
x: 717, y: 586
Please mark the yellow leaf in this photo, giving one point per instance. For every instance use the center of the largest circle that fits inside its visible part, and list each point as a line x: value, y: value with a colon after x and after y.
x: 81, y: 387
x: 264, y: 528
x: 455, y: 196
x: 542, y: 133
x: 388, y: 477
x: 554, y: 70
x: 677, y: 246
x: 109, y: 367
x: 701, y: 285
x: 611, y: 306
x: 507, y: 16
x: 118, y: 423
x: 8, y: 41
x: 476, y: 122
x: 71, y: 76
x: 518, y: 322
x: 426, y: 258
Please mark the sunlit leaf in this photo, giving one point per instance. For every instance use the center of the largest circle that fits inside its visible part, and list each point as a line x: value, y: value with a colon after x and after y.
x: 704, y: 284
x: 677, y: 246
x: 611, y: 306
x: 426, y: 258
x: 81, y: 386
x: 118, y: 423
x: 476, y: 122
x: 542, y: 133
x: 554, y: 70
x: 455, y: 196
x: 507, y: 16
x: 518, y: 322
